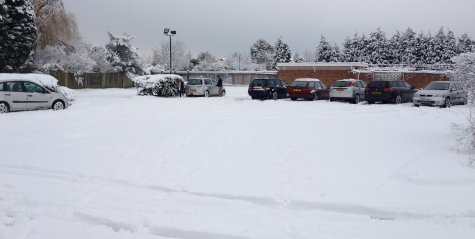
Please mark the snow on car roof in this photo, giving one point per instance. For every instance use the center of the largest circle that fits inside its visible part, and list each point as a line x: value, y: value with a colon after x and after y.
x: 40, y: 79
x: 348, y: 80
x: 306, y: 79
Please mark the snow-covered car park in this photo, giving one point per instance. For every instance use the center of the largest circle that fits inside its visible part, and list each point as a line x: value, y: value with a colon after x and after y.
x: 119, y: 165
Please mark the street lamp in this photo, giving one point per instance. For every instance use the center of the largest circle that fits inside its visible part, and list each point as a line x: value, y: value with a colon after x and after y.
x: 170, y: 33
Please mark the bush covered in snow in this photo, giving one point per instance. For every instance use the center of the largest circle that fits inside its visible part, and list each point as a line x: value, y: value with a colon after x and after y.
x: 158, y: 85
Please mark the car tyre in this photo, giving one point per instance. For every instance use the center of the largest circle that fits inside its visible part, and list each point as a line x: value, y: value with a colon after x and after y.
x: 293, y: 99
x: 416, y: 105
x: 58, y: 105
x: 332, y: 99
x: 4, y: 108
x: 357, y: 99
x: 447, y: 103
x: 398, y: 100
x: 370, y: 102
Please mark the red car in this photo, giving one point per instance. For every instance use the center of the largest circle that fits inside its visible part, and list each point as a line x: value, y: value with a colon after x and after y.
x: 309, y: 89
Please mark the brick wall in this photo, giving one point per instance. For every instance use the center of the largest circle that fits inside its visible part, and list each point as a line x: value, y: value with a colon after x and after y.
x: 416, y: 79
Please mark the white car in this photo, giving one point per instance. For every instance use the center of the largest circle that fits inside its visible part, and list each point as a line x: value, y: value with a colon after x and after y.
x: 441, y: 93
x: 348, y: 90
x: 18, y: 95
x: 204, y: 87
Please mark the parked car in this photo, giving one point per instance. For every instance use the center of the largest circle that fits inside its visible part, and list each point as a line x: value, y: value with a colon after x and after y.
x: 267, y: 89
x: 348, y: 90
x: 308, y: 88
x: 18, y: 95
x: 441, y: 93
x: 390, y: 91
x: 203, y: 87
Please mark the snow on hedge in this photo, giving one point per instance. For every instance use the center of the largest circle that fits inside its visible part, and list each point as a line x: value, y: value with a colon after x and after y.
x: 46, y: 81
x: 158, y: 85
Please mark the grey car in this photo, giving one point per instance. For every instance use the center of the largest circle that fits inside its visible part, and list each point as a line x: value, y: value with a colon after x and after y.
x: 18, y: 95
x: 441, y: 93
x: 204, y: 87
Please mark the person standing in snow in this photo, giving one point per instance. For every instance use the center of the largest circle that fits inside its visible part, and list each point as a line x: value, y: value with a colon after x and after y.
x: 182, y: 88
x: 220, y: 84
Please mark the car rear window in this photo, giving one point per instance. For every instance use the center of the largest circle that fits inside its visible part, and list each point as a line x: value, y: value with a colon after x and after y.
x: 299, y: 84
x: 259, y: 82
x: 195, y: 82
x: 378, y: 84
x: 342, y: 84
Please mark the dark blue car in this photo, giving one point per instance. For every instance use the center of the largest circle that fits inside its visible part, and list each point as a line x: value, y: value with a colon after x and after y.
x: 267, y: 89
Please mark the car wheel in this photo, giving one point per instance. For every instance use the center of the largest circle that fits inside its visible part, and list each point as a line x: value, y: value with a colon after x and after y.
x: 465, y: 101
x: 357, y: 99
x: 447, y: 104
x: 293, y: 99
x: 274, y: 96
x: 206, y: 94
x: 58, y: 105
x: 331, y: 99
x: 370, y: 102
x: 416, y: 105
x: 4, y: 108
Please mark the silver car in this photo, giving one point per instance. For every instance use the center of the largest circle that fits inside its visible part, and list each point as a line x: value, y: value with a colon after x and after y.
x: 204, y: 87
x: 18, y: 95
x: 348, y: 90
x: 441, y: 93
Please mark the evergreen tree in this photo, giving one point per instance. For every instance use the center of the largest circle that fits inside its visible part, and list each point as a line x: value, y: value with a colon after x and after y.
x: 297, y: 58
x: 18, y: 33
x: 378, y: 48
x: 350, y: 49
x: 465, y: 44
x: 282, y: 53
x: 326, y: 53
x: 262, y: 53
x: 450, y: 48
x: 396, y: 48
x: 408, y: 47
x: 124, y: 56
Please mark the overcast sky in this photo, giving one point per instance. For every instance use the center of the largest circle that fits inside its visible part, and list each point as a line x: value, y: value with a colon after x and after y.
x: 223, y: 27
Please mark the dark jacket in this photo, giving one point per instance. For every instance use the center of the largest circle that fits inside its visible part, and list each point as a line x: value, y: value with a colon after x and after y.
x: 220, y: 82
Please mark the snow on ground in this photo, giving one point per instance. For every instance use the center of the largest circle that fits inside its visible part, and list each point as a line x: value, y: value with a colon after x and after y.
x: 117, y: 165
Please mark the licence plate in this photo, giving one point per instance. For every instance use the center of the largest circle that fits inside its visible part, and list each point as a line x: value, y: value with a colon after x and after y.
x: 376, y: 93
x: 339, y: 90
x: 193, y: 91
x: 297, y: 90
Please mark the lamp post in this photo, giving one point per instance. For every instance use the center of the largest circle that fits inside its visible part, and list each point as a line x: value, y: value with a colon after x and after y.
x: 170, y: 33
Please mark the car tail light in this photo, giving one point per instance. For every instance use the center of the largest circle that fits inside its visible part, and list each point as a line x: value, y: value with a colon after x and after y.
x: 388, y: 89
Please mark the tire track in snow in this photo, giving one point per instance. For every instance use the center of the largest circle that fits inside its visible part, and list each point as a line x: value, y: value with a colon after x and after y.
x: 292, y: 205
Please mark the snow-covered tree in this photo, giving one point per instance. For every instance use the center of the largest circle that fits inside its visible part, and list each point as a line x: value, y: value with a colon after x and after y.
x: 465, y: 72
x: 123, y: 54
x: 282, y: 53
x: 297, y: 58
x: 262, y: 53
x: 181, y: 56
x: 465, y: 44
x: 100, y: 55
x: 58, y: 58
x: 326, y: 52
x: 408, y: 47
x: 18, y: 33
x: 55, y: 25
x: 378, y: 48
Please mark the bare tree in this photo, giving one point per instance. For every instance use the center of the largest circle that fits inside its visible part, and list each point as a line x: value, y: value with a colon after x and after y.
x: 181, y: 56
x: 56, y: 26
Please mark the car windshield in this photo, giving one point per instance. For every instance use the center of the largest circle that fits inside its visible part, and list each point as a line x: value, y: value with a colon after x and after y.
x: 195, y: 82
x: 342, y: 84
x: 259, y: 82
x: 299, y: 84
x: 438, y: 86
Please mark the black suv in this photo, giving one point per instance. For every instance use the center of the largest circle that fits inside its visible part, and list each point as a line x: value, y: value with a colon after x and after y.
x: 267, y: 89
x: 391, y: 91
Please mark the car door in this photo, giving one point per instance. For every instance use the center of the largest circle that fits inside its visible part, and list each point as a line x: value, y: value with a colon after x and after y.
x: 209, y: 86
x: 361, y: 89
x: 215, y: 87
x: 463, y: 93
x: 456, y: 93
x: 324, y: 91
x: 37, y: 96
x: 16, y: 95
x: 409, y: 91
x: 281, y: 90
